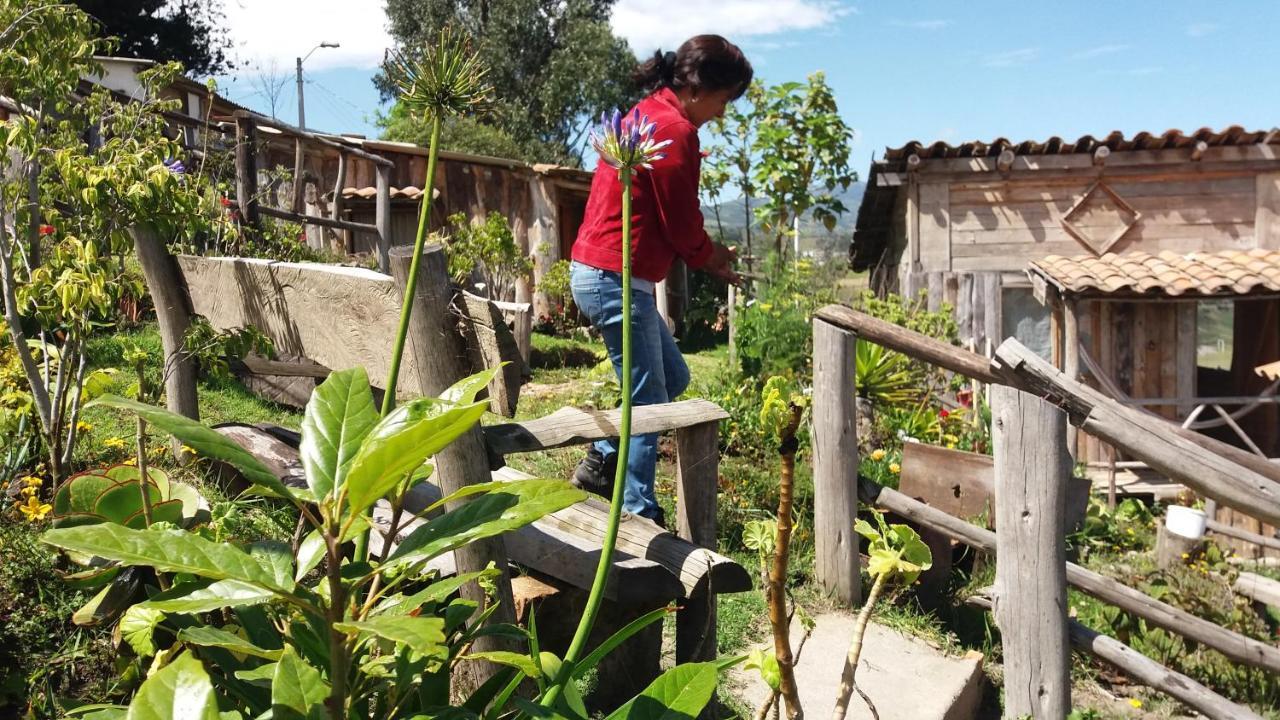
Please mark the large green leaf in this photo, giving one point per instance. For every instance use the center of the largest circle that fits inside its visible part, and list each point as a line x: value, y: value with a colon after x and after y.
x: 519, y: 661
x: 507, y: 507
x: 222, y: 594
x: 402, y: 441
x: 297, y: 690
x: 339, y: 416
x: 138, y: 628
x: 206, y: 636
x: 310, y: 553
x: 678, y: 694
x: 205, y: 441
x: 465, y: 390
x: 421, y: 634
x: 435, y: 592
x: 182, y: 689
x: 167, y: 551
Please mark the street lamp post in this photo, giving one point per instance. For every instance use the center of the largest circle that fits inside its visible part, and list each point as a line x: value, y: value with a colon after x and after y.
x: 302, y: 113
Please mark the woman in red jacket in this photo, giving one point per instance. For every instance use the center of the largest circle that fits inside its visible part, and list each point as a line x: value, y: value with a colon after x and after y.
x: 686, y: 89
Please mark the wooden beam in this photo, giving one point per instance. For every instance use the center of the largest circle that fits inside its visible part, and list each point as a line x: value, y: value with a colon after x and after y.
x: 1230, y: 531
x: 299, y: 184
x: 259, y: 365
x: 339, y: 184
x: 247, y: 170
x: 1258, y: 588
x: 1233, y: 645
x: 294, y: 132
x: 382, y: 216
x: 315, y: 220
x: 835, y: 462
x: 916, y: 345
x: 1071, y: 359
x: 574, y: 426
x: 1149, y: 160
x: 1149, y: 438
x: 697, y: 482
x: 1032, y: 467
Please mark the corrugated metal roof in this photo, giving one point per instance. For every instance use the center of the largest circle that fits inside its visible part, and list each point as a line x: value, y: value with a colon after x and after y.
x: 1223, y: 273
x: 1114, y: 141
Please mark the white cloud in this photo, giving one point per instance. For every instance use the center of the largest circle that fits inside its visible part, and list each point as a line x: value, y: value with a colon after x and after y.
x: 1010, y: 58
x: 652, y: 24
x: 921, y: 24
x: 281, y: 30
x: 1098, y: 51
x: 1201, y: 29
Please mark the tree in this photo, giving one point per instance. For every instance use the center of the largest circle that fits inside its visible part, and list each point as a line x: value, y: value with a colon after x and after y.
x: 803, y: 156
x: 192, y: 32
x: 555, y: 65
x: 737, y: 131
x: 270, y: 81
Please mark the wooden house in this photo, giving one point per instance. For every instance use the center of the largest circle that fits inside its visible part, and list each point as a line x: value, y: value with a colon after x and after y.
x: 1148, y: 265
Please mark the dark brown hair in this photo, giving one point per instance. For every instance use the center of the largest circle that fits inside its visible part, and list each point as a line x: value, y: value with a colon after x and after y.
x: 703, y: 62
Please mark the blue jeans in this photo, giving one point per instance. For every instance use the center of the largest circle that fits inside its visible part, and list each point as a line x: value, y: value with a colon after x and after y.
x: 658, y: 370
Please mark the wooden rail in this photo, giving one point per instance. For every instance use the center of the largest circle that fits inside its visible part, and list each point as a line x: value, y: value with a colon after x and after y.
x: 316, y: 220
x: 1032, y: 403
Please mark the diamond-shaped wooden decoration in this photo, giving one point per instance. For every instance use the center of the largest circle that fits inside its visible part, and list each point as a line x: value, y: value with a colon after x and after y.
x: 1100, y: 218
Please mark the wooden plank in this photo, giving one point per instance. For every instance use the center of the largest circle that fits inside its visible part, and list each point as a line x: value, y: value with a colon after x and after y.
x: 1185, y: 359
x: 991, y: 301
x: 934, y: 289
x: 1258, y: 588
x: 320, y: 220
x: 1067, y: 189
x: 247, y: 171
x: 382, y: 217
x: 935, y: 233
x: 1070, y: 310
x: 978, y: 310
x: 291, y: 131
x: 697, y: 482
x: 1231, y: 531
x: 1266, y: 220
x: 1160, y: 444
x: 1084, y: 161
x: 1047, y: 213
x: 491, y: 345
x: 835, y: 461
x: 574, y: 426
x: 1158, y: 677
x: 1231, y: 644
x: 896, y: 337
x: 301, y: 367
x: 964, y: 306
x: 958, y: 483
x: 1169, y: 358
x: 1034, y: 243
x: 1031, y: 471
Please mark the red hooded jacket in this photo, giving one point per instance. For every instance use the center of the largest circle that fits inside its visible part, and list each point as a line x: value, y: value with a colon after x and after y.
x: 666, y: 220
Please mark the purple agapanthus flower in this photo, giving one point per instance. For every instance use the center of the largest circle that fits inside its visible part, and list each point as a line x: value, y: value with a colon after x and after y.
x: 175, y: 166
x: 627, y: 142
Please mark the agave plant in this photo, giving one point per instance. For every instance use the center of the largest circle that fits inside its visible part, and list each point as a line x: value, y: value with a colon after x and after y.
x: 883, y: 375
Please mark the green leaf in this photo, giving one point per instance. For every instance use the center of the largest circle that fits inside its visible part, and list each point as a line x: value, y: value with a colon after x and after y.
x: 678, y: 694
x: 205, y: 441
x: 424, y: 636
x: 608, y: 646
x: 297, y: 690
x: 261, y: 674
x: 221, y: 594
x: 519, y: 661
x: 138, y: 627
x: 435, y: 592
x: 310, y: 553
x: 402, y: 441
x: 181, y: 689
x: 277, y: 557
x: 507, y: 507
x: 167, y: 551
x: 206, y: 636
x: 766, y: 662
x: 465, y: 390
x: 339, y: 416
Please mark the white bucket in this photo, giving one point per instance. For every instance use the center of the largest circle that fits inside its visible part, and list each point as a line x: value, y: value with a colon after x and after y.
x: 1185, y: 521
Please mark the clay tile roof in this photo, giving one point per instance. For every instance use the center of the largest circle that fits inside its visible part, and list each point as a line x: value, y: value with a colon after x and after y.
x: 407, y: 192
x: 1227, y: 272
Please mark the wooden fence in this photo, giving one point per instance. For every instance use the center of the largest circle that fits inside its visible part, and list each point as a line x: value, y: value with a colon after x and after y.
x: 1032, y: 405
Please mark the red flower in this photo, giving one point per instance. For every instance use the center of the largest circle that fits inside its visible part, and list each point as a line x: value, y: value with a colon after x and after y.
x: 943, y: 413
x: 965, y: 397
x: 226, y: 202
x: 48, y: 229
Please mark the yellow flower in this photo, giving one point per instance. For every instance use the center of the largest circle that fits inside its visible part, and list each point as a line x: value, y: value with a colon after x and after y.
x: 766, y: 306
x: 32, y: 481
x: 877, y: 454
x: 114, y: 443
x: 188, y: 450
x: 1135, y: 702
x: 131, y: 461
x: 156, y: 452
x: 1186, y: 556
x: 34, y: 509
x: 82, y: 426
x: 895, y: 468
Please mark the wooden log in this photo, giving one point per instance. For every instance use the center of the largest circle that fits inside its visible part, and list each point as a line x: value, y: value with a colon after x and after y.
x: 299, y: 179
x: 1239, y: 534
x: 1258, y: 588
x: 339, y: 184
x: 320, y: 220
x: 921, y: 347
x: 1147, y: 437
x: 173, y: 315
x: 1032, y: 467
x: 697, y: 481
x: 574, y: 426
x: 1156, y: 676
x: 492, y: 345
x: 1071, y: 361
x: 382, y: 217
x: 1172, y: 549
x: 1231, y: 644
x: 247, y: 170
x: 259, y: 365
x: 835, y: 462
x: 436, y: 348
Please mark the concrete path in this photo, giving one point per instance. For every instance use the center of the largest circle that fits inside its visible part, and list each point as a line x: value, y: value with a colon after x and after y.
x: 906, y: 678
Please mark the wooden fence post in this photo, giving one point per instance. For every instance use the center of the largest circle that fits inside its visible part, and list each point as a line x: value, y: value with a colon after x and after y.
x: 835, y: 462
x: 1032, y: 467
x: 438, y: 357
x: 164, y: 282
x: 697, y: 479
x: 247, y: 170
x: 382, y: 219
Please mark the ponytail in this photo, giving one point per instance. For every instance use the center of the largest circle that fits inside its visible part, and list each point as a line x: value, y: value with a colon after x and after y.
x: 704, y: 62
x: 656, y: 73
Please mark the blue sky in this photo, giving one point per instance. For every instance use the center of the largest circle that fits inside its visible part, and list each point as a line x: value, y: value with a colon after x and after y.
x: 901, y: 70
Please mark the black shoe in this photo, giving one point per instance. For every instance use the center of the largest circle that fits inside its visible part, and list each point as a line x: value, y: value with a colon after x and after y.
x: 595, y: 473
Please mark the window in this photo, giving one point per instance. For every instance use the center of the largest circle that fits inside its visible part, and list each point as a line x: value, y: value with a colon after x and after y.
x: 1023, y: 317
x: 1215, y: 326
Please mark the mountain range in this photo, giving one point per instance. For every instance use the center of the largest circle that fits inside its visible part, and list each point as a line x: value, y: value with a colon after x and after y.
x: 812, y: 234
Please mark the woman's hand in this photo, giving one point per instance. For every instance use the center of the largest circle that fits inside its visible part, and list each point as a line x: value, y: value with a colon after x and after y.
x: 721, y: 263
